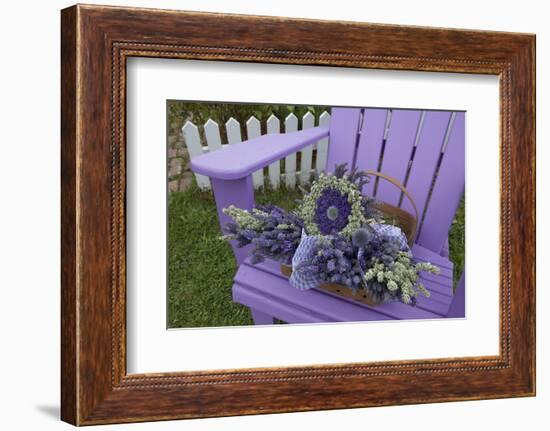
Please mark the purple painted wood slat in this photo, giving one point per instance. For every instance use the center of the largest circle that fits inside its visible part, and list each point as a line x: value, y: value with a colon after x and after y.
x: 436, y: 303
x: 277, y: 289
x: 436, y: 295
x: 276, y: 297
x: 430, y: 304
x: 441, y: 283
x: 285, y: 311
x: 448, y: 189
x: 233, y: 192
x: 239, y: 160
x: 426, y: 255
x: 254, y: 280
x: 261, y: 318
x: 344, y: 126
x: 458, y: 306
x: 370, y: 143
x: 425, y: 159
x: 397, y: 153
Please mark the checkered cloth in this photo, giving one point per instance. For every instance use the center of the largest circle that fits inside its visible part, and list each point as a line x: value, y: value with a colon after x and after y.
x: 389, y: 232
x: 305, y: 252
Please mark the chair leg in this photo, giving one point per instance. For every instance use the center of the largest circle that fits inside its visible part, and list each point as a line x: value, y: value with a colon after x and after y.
x: 238, y: 192
x: 261, y: 318
x: 458, y: 304
x: 445, y: 249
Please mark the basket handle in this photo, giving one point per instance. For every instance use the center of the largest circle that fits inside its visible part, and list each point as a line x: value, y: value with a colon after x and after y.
x: 401, y: 187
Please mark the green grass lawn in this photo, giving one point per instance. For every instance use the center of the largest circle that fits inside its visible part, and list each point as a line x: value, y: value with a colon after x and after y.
x: 457, y: 240
x: 201, y: 267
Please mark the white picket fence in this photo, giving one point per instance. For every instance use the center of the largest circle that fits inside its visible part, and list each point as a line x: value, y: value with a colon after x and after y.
x: 312, y: 158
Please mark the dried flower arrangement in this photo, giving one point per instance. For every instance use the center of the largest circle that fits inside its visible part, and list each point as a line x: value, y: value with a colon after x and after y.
x: 336, y: 235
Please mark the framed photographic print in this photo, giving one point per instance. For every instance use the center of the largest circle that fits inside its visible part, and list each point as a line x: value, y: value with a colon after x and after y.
x: 250, y: 207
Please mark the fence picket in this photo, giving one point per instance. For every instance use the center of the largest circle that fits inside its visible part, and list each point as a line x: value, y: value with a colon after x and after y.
x: 212, y: 133
x: 274, y: 126
x: 308, y: 121
x: 322, y: 145
x: 291, y: 125
x: 233, y: 129
x: 192, y: 138
x: 253, y: 130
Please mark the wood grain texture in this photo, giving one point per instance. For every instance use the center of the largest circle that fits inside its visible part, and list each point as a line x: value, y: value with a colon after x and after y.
x: 96, y: 41
x: 69, y: 397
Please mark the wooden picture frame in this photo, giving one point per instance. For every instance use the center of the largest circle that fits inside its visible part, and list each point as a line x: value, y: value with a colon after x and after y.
x: 95, y: 43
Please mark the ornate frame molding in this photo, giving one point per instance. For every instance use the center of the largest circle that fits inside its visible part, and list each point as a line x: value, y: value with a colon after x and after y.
x: 96, y: 41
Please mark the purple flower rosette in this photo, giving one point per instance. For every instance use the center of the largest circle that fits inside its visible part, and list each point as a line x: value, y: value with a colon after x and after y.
x: 332, y: 211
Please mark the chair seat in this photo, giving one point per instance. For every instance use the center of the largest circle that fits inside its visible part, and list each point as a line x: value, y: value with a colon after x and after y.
x: 262, y: 287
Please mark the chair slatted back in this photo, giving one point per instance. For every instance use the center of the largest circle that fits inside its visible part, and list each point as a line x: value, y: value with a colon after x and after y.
x: 344, y: 129
x: 424, y: 150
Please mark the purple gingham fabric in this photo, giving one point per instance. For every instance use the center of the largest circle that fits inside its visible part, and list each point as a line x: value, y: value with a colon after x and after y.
x: 390, y: 232
x: 304, y: 253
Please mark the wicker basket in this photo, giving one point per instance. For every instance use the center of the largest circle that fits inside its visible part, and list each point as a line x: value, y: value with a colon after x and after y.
x: 337, y: 289
x: 406, y: 222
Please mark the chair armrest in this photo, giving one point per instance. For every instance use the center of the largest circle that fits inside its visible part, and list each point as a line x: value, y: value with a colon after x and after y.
x: 240, y: 160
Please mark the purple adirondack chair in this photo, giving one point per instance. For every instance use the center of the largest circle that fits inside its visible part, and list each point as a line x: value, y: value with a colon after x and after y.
x: 430, y: 163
